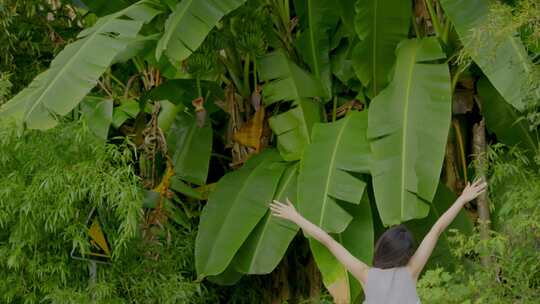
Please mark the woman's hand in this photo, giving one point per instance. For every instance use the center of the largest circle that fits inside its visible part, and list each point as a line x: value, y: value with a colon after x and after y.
x: 285, y: 211
x: 473, y: 190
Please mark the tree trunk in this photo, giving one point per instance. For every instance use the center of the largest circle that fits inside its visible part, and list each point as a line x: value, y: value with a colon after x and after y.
x: 315, y: 280
x: 479, y: 153
x: 451, y: 175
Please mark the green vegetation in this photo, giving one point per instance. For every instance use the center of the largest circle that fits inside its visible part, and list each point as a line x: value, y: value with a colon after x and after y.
x: 178, y: 121
x: 513, y: 275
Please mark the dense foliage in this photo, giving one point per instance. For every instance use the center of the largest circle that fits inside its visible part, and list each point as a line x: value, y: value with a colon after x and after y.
x: 50, y: 183
x: 179, y: 121
x: 513, y: 274
x: 32, y: 32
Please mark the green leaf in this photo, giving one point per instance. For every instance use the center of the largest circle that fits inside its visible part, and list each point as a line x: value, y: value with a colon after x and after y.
x: 444, y: 198
x: 268, y: 242
x: 233, y: 210
x: 286, y: 80
x: 342, y: 65
x: 380, y: 25
x: 289, y: 82
x: 178, y: 185
x: 337, y: 149
x: 190, y: 147
x: 347, y: 14
x: 137, y: 46
x: 76, y: 69
x: 358, y: 238
x: 176, y: 214
x: 184, y: 91
x: 189, y: 24
x: 228, y: 277
x: 408, y: 128
x: 504, y: 61
x: 293, y: 128
x: 318, y: 19
x: 127, y: 109
x: 167, y: 114
x: 98, y: 112
x: 503, y: 120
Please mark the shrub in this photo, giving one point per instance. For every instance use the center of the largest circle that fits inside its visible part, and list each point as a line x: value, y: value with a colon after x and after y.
x: 50, y: 183
x: 513, y: 274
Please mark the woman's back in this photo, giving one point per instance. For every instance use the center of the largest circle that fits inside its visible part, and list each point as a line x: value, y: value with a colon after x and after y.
x: 389, y: 286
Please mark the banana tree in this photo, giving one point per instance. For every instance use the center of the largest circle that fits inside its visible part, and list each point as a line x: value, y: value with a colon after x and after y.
x: 376, y: 150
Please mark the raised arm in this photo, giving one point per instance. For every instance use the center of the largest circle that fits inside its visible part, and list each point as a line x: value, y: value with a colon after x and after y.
x: 422, y: 254
x: 356, y: 267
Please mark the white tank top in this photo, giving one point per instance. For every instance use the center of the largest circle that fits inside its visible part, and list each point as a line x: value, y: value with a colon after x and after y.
x: 390, y: 286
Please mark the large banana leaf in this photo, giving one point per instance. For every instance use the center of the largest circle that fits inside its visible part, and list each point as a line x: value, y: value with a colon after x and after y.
x: 444, y: 198
x: 503, y: 120
x: 358, y: 239
x: 98, y: 112
x: 380, y: 25
x: 267, y: 243
x: 318, y: 19
x: 76, y: 69
x: 189, y: 24
x: 337, y: 149
x: 503, y: 61
x: 288, y: 82
x: 408, y: 126
x: 190, y: 147
x: 233, y: 210
x: 342, y: 65
x: 347, y: 14
x: 294, y: 127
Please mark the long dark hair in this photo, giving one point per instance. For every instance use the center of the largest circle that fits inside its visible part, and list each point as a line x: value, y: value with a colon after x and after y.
x: 394, y: 248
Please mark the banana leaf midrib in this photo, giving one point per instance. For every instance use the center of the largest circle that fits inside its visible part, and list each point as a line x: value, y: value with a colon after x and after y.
x: 180, y: 14
x: 96, y: 33
x: 330, y: 171
x: 213, y: 247
x: 405, y: 127
x: 245, y: 185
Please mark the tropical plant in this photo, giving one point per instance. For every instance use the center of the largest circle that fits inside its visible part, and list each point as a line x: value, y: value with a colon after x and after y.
x: 352, y: 109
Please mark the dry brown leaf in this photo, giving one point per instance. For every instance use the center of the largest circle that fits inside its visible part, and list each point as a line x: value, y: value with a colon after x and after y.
x: 250, y: 133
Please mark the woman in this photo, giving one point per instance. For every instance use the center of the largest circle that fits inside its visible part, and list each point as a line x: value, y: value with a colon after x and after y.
x: 396, y: 266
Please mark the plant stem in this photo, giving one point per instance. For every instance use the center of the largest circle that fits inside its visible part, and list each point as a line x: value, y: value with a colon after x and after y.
x: 434, y: 18
x: 116, y: 80
x: 446, y: 30
x: 461, y: 148
x: 199, y: 89
x: 415, y: 26
x: 247, y: 89
x: 334, y: 108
